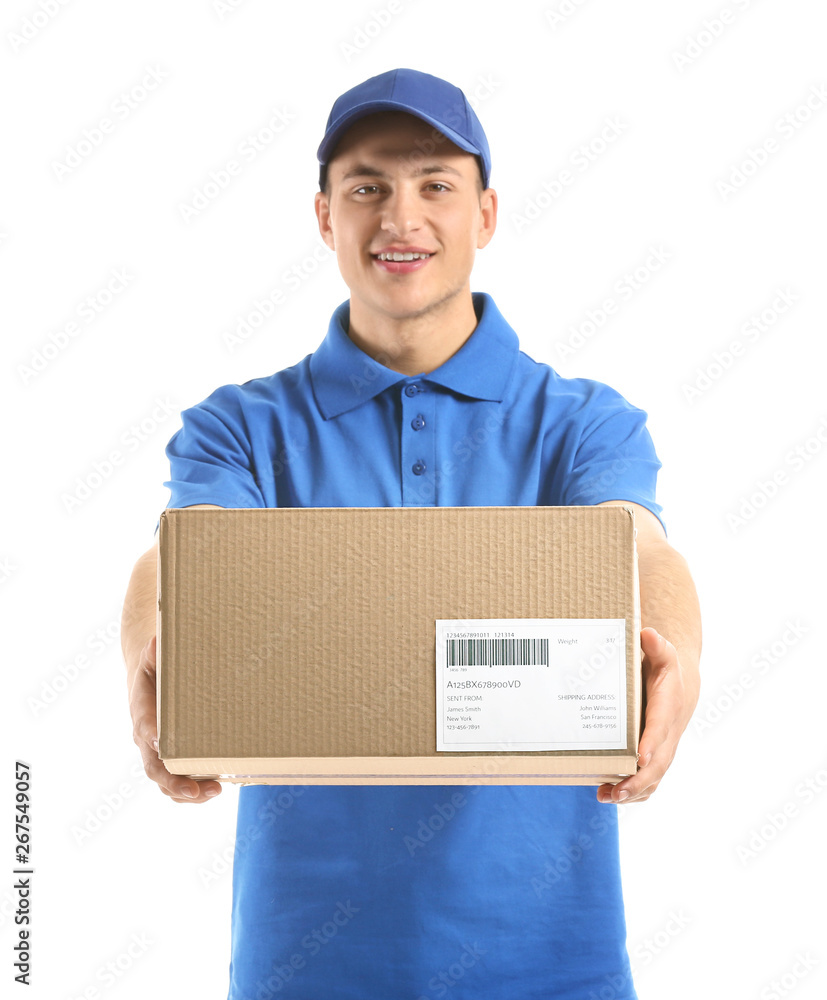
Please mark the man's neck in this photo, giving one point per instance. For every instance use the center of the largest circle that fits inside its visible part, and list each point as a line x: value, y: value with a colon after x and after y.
x: 414, y: 344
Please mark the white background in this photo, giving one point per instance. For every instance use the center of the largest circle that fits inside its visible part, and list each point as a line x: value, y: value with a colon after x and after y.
x: 708, y: 914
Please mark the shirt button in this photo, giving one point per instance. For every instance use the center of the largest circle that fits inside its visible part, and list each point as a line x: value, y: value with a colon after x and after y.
x: 411, y: 390
x: 418, y: 422
x: 418, y: 468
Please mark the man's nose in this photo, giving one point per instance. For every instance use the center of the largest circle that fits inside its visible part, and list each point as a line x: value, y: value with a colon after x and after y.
x: 402, y: 211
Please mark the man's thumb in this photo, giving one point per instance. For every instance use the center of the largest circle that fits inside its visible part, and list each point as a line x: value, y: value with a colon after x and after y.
x: 149, y: 652
x: 652, y: 641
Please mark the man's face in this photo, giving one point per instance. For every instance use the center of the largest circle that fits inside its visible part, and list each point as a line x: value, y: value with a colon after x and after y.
x: 396, y: 184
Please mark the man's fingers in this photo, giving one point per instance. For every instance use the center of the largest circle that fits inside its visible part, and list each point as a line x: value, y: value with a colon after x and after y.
x: 631, y: 795
x: 204, y: 793
x: 665, y: 699
x: 142, y: 705
x: 142, y: 697
x: 177, y: 786
x: 658, y: 736
x: 659, y: 740
x: 638, y: 787
x: 143, y: 709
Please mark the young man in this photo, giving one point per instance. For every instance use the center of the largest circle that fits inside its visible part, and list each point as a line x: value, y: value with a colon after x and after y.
x: 419, y: 395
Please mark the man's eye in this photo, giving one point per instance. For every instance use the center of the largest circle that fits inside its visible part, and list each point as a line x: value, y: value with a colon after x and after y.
x: 437, y: 184
x: 366, y: 188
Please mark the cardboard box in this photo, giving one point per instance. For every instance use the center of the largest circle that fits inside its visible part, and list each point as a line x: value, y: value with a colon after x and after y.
x: 304, y: 645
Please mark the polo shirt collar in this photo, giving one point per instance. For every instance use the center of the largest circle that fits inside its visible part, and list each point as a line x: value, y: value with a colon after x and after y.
x: 344, y: 376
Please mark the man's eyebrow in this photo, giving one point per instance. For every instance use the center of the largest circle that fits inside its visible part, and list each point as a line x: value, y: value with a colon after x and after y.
x: 366, y: 170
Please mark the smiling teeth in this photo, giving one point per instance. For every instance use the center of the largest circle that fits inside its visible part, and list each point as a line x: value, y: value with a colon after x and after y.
x: 403, y: 256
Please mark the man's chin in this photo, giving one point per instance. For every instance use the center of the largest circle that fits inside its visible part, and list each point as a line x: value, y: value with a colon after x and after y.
x: 411, y: 305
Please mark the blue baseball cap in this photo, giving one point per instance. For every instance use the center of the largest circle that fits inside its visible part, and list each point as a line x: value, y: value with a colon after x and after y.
x: 435, y: 101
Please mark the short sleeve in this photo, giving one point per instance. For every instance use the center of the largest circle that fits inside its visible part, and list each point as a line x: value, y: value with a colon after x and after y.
x: 615, y: 458
x: 210, y: 458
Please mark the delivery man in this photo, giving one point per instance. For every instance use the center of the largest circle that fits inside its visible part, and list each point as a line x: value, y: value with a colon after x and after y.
x: 419, y: 395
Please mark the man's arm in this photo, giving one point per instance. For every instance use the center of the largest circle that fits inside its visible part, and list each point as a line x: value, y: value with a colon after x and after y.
x: 138, y: 626
x: 670, y: 640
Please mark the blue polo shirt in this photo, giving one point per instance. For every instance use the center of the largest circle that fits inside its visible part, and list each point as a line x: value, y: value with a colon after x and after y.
x: 406, y: 891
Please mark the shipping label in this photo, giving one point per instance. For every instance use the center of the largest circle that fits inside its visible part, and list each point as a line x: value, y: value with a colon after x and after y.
x: 523, y: 684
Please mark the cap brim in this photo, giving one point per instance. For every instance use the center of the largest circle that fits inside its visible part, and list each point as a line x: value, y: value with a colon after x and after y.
x: 332, y: 138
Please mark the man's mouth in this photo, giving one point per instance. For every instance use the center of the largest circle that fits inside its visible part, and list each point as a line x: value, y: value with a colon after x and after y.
x: 401, y: 261
x: 395, y: 255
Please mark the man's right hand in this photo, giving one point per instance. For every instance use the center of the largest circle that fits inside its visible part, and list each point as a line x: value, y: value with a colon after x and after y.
x: 142, y: 705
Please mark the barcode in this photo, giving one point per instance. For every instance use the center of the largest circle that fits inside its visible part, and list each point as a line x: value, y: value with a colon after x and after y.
x: 497, y: 652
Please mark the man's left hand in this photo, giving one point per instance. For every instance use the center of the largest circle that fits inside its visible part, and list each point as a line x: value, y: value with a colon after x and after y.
x: 669, y: 707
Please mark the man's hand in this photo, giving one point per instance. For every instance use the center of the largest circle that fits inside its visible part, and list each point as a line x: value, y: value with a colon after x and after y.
x: 142, y: 705
x: 670, y: 702
x: 669, y: 606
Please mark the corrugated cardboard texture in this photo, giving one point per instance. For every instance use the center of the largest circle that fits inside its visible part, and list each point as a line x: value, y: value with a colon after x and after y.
x: 307, y: 634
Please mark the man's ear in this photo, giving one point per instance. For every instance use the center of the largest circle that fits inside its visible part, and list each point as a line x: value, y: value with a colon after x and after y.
x: 488, y: 217
x: 322, y: 206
